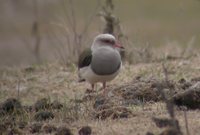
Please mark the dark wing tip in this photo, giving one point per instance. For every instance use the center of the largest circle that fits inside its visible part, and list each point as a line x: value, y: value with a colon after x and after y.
x: 85, y: 58
x: 81, y: 80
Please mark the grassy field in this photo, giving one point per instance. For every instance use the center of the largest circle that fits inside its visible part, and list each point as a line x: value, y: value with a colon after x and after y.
x: 57, y: 83
x: 45, y: 97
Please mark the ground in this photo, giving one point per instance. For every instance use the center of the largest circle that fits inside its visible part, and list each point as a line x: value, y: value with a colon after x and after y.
x: 67, y: 103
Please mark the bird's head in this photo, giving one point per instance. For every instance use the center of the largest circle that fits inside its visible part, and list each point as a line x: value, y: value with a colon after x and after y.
x: 105, y: 40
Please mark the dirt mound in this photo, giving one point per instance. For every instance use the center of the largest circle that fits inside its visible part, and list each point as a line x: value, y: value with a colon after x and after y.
x: 44, y: 103
x: 189, y: 98
x: 140, y: 91
x: 43, y: 115
x: 137, y: 92
x: 105, y: 108
x: 10, y: 105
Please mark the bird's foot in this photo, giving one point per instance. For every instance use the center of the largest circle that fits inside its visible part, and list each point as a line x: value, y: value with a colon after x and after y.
x: 105, y: 93
x: 101, y: 89
x: 89, y: 91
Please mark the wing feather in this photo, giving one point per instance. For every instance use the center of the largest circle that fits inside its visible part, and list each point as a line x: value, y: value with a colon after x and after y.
x: 85, y: 58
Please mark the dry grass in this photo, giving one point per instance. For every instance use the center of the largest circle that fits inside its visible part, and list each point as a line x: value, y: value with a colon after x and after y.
x: 56, y: 82
x: 151, y: 34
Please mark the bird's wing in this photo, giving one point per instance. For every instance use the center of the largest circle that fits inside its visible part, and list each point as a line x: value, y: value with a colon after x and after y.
x: 85, y: 58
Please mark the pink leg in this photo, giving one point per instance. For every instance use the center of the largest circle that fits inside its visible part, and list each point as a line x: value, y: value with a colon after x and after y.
x: 104, y: 85
x: 104, y: 88
x: 90, y: 90
x: 92, y: 85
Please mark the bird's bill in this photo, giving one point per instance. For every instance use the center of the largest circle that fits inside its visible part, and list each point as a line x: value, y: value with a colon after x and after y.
x: 118, y: 45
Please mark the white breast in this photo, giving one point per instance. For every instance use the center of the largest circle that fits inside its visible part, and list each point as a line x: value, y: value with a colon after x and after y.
x: 92, y: 78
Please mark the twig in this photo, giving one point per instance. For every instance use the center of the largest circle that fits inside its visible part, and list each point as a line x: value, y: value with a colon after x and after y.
x: 186, y: 123
x: 35, y: 31
x: 169, y: 103
x: 74, y: 38
x: 18, y: 88
x: 87, y: 24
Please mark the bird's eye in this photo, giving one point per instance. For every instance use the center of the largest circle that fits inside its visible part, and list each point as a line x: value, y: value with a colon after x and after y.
x: 108, y: 41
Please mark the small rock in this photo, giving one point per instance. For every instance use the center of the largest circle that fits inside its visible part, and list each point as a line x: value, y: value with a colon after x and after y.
x: 63, y: 131
x: 43, y: 115
x: 85, y: 131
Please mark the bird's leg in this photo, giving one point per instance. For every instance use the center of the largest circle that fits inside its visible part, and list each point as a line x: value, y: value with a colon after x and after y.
x: 104, y: 85
x: 104, y: 88
x: 92, y: 85
x: 90, y: 90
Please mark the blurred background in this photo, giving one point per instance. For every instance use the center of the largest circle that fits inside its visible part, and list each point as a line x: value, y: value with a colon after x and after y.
x: 35, y: 31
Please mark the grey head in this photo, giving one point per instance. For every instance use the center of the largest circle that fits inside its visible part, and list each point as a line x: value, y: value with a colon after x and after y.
x: 106, y: 59
x: 103, y: 40
x: 103, y: 57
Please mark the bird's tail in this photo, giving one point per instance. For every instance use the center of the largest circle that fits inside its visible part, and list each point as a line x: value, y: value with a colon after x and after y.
x: 80, y: 79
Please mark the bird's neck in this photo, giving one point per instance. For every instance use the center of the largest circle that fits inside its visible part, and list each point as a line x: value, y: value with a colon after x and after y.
x: 97, y: 47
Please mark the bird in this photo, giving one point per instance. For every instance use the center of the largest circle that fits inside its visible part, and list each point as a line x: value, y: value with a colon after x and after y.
x: 101, y: 62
